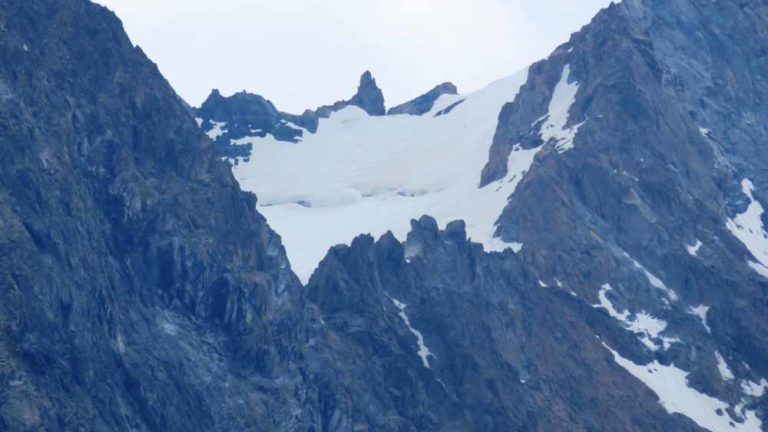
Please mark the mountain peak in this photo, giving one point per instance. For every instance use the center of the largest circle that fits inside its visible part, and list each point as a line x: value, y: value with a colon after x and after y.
x: 367, y: 78
x: 369, y: 96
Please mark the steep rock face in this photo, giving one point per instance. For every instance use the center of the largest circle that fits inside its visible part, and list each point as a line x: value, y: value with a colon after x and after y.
x: 231, y: 122
x: 424, y: 103
x: 139, y: 289
x: 649, y: 121
x: 454, y: 338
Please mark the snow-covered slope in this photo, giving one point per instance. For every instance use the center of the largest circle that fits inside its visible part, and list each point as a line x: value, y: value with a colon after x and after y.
x: 364, y: 174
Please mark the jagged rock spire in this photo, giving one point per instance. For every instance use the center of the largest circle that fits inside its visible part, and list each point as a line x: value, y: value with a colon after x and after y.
x: 369, y: 96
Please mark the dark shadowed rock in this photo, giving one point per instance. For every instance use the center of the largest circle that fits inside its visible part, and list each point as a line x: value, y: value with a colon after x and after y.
x: 139, y: 288
x: 368, y: 97
x: 424, y: 103
x: 244, y: 115
x: 231, y: 120
x: 453, y: 338
x: 671, y: 120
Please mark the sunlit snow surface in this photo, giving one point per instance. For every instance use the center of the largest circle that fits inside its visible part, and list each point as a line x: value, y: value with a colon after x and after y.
x: 362, y: 174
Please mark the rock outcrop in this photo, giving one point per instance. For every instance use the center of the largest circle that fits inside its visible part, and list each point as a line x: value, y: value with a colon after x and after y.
x: 233, y: 122
x: 369, y: 98
x: 459, y: 339
x: 650, y: 133
x: 424, y: 103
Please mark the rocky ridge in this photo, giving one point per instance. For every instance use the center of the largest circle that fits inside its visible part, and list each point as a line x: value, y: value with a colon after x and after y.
x: 424, y: 103
x: 141, y: 289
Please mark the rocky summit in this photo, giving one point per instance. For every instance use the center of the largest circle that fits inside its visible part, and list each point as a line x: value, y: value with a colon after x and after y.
x: 424, y: 103
x: 580, y: 246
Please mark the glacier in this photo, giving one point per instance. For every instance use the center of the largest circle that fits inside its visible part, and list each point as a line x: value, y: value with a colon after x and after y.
x: 373, y: 174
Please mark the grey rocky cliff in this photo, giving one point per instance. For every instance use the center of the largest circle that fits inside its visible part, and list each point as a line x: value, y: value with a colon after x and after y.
x: 424, y: 103
x: 505, y: 353
x: 230, y: 119
x: 369, y: 98
x: 246, y: 115
x: 671, y: 114
x: 139, y: 289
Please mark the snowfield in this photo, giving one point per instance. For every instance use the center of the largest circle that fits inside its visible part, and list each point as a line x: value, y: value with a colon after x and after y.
x: 670, y: 384
x: 363, y: 174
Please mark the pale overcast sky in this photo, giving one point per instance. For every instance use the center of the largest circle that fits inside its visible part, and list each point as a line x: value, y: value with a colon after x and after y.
x: 305, y: 53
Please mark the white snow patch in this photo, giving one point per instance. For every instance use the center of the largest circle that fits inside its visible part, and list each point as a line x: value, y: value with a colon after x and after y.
x: 562, y: 287
x: 363, y: 174
x: 219, y: 129
x: 423, y: 352
x: 647, y: 326
x: 748, y: 228
x: 722, y: 366
x: 701, y: 312
x: 563, y: 98
x: 542, y: 284
x: 653, y: 280
x: 670, y: 384
x: 167, y: 326
x: 693, y: 250
x: 199, y: 121
x: 120, y: 342
x: 759, y: 268
x: 704, y: 132
x: 170, y: 329
x: 754, y: 389
x: 606, y: 304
